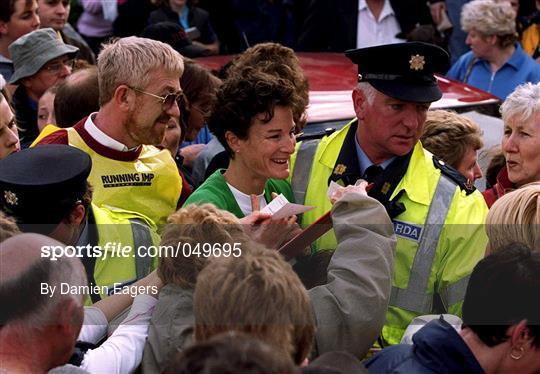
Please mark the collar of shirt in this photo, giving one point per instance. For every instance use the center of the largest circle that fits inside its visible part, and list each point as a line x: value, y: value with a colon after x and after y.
x: 183, y: 17
x: 385, y: 12
x: 244, y: 200
x: 515, y: 61
x: 103, y: 138
x: 364, y: 161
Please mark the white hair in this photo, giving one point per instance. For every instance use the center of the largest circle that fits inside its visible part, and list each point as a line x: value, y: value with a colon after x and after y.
x: 368, y: 90
x: 522, y: 104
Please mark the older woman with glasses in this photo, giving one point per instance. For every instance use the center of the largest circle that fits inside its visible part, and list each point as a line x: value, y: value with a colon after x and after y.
x: 40, y: 60
x: 520, y: 143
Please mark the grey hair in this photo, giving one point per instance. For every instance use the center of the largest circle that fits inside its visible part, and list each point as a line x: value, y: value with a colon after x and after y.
x: 489, y: 17
x: 368, y: 90
x: 130, y: 60
x: 522, y: 104
x: 62, y: 271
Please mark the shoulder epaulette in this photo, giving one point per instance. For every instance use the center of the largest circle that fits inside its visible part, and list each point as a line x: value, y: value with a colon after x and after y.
x: 454, y: 175
x: 315, y: 135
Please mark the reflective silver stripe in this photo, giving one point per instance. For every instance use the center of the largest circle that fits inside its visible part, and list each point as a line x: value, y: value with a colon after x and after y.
x: 414, y: 297
x: 302, y: 169
x: 454, y: 293
x: 141, y: 238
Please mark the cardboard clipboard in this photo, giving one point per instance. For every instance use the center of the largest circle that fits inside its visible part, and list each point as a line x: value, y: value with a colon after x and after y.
x: 296, y: 245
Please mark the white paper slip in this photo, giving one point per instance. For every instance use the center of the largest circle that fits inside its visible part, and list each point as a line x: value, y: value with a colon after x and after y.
x: 332, y: 188
x: 280, y: 208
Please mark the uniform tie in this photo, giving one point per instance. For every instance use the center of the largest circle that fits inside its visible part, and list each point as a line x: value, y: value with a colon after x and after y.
x: 372, y: 172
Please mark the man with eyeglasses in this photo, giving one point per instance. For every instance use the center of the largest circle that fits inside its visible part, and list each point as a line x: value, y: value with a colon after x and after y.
x: 40, y: 61
x: 139, y: 91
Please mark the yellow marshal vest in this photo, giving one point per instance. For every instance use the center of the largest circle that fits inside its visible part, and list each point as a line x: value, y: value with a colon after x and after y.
x: 150, y: 185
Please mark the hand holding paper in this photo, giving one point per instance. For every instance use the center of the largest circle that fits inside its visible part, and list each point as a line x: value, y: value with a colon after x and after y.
x: 280, y: 208
x: 336, y: 192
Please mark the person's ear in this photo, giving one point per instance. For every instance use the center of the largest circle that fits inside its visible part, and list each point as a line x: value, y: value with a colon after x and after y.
x: 519, y: 339
x: 124, y: 97
x: 359, y: 103
x: 70, y: 316
x: 3, y: 28
x: 233, y: 141
x: 76, y: 216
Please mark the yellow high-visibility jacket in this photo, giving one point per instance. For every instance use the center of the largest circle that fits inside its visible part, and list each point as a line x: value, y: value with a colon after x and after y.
x: 440, y: 234
x: 125, y: 237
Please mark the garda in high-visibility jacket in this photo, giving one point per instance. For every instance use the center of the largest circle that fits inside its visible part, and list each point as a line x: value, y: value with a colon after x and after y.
x: 125, y: 240
x: 439, y: 225
x: 150, y: 184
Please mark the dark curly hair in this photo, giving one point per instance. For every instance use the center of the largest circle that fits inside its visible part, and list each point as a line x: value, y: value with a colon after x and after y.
x: 281, y: 61
x: 242, y: 97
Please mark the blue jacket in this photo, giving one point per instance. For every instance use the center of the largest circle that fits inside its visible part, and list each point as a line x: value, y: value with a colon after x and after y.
x: 519, y: 69
x: 437, y: 348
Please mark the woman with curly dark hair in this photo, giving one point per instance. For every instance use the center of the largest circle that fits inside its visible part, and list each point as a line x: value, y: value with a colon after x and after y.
x: 253, y: 120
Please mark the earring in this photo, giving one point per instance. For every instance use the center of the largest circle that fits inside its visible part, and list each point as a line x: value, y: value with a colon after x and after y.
x: 517, y: 356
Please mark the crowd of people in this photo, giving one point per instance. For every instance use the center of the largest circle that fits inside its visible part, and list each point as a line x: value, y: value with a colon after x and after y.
x: 138, y: 228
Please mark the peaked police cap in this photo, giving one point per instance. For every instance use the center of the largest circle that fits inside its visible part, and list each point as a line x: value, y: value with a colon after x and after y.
x: 41, y: 185
x: 404, y: 71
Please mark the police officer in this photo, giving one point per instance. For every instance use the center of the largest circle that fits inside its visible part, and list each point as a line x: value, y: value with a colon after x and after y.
x: 437, y: 218
x: 46, y: 190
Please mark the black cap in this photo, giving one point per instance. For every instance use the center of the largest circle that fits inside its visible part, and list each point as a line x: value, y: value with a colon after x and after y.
x: 403, y: 71
x: 174, y: 35
x: 41, y: 185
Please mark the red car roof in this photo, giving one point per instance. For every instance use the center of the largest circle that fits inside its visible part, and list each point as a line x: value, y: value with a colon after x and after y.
x: 332, y: 76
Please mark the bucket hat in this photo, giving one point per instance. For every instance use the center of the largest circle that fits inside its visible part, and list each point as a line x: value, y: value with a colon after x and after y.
x: 33, y: 50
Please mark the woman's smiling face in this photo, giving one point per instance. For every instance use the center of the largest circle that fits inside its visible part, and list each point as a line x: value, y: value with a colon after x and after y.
x: 269, y: 145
